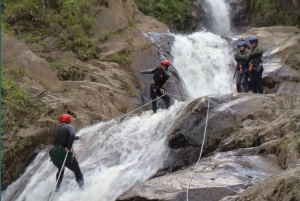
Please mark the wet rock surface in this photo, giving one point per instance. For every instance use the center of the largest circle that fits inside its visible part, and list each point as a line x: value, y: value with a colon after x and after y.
x: 249, y: 138
x: 217, y: 176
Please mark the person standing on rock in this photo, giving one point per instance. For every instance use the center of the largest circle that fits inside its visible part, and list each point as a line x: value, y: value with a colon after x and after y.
x: 255, y: 65
x: 159, y: 79
x: 62, y: 145
x: 242, y: 68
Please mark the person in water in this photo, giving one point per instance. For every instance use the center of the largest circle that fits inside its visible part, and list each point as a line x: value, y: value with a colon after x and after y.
x: 159, y: 79
x: 62, y: 144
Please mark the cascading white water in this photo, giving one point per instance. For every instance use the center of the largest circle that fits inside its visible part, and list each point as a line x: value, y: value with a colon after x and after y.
x: 220, y: 24
x: 203, y: 61
x: 113, y: 157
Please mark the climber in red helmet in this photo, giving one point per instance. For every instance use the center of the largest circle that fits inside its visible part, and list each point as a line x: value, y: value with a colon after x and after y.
x: 64, y: 137
x: 159, y: 79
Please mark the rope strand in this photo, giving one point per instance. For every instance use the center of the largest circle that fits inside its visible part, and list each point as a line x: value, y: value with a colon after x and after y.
x: 187, y: 192
x: 59, y: 176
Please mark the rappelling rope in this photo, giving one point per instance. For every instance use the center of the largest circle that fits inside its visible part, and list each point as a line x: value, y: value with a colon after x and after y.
x: 187, y: 191
x: 140, y: 107
x: 63, y: 166
x: 149, y: 103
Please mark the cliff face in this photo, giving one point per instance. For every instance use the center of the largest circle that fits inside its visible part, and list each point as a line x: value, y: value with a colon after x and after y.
x: 264, y: 13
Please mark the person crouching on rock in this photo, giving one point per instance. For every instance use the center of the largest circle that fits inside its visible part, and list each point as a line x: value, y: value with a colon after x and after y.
x: 255, y: 65
x: 63, y: 140
x: 242, y: 67
x: 159, y: 79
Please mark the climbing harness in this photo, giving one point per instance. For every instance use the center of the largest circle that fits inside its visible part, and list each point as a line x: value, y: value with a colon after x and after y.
x: 187, y: 191
x: 63, y: 166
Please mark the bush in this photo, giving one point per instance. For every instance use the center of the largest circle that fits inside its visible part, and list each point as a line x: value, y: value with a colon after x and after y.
x: 268, y: 13
x: 124, y: 58
x: 71, y: 21
x: 175, y: 13
x: 16, y: 104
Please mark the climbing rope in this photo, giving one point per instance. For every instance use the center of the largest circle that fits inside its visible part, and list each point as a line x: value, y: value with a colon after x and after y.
x: 63, y: 166
x: 187, y: 192
x: 139, y: 107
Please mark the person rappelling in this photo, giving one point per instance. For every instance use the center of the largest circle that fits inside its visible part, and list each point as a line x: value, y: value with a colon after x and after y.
x: 159, y: 79
x: 64, y: 137
x: 241, y: 73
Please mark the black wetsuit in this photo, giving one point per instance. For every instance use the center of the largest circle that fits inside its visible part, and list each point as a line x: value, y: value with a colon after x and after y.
x: 159, y: 79
x: 64, y: 138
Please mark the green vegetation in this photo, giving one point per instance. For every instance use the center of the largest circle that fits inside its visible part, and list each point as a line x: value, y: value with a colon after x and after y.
x: 124, y: 58
x: 174, y: 13
x: 105, y: 36
x: 11, y: 158
x: 267, y: 13
x: 15, y: 104
x: 71, y: 21
x: 18, y: 111
x: 124, y: 86
x: 286, y: 142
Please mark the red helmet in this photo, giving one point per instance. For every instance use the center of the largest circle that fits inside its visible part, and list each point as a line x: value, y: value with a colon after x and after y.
x: 165, y: 62
x: 65, y: 118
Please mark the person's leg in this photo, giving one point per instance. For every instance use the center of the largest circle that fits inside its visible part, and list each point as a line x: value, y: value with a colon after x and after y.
x: 238, y: 80
x: 74, y: 167
x: 245, y: 81
x: 259, y: 82
x: 153, y: 91
x: 59, y: 166
x: 166, y: 98
x: 253, y: 81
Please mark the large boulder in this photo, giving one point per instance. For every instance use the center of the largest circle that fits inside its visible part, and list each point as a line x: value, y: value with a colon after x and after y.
x: 283, y: 186
x: 220, y: 175
x: 240, y: 12
x: 249, y: 137
x: 18, y: 56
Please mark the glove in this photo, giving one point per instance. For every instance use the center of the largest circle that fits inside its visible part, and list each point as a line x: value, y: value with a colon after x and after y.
x: 240, y: 70
x: 162, y: 91
x: 250, y: 67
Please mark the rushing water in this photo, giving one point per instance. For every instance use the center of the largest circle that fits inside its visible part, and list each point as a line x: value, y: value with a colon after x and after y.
x: 220, y: 18
x: 203, y: 61
x: 115, y: 155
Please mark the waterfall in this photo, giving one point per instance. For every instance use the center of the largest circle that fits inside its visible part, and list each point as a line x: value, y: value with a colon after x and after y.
x: 114, y: 155
x: 203, y: 61
x: 218, y: 12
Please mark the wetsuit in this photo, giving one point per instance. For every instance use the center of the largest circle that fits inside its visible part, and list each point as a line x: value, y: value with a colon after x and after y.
x: 156, y: 88
x: 64, y: 138
x: 255, y: 61
x: 242, y: 71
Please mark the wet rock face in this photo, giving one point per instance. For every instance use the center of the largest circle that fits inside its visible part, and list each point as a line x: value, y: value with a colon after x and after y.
x: 221, y: 175
x: 282, y: 186
x: 249, y: 138
x: 240, y: 13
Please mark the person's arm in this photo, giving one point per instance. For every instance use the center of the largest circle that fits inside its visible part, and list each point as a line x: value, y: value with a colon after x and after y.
x: 150, y: 71
x: 256, y: 52
x: 72, y: 137
x: 240, y: 57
